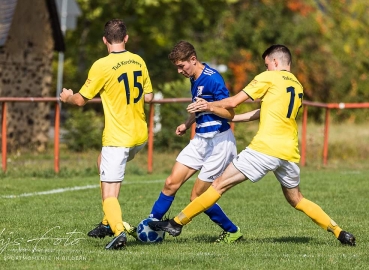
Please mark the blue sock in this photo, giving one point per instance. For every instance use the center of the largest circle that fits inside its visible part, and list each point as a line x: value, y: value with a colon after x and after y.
x: 217, y: 215
x: 161, y: 206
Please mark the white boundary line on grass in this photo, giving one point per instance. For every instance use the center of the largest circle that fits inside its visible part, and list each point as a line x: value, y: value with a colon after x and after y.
x: 61, y: 190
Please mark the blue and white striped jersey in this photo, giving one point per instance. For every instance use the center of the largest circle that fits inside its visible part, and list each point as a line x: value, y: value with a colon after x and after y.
x: 211, y: 87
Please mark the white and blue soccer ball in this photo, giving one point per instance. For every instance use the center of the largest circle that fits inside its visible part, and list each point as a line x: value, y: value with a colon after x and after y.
x: 148, y: 235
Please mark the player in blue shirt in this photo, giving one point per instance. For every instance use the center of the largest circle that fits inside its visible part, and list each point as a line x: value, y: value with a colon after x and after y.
x: 213, y: 146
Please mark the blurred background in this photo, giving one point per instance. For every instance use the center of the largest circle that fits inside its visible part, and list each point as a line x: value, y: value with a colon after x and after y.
x: 49, y: 44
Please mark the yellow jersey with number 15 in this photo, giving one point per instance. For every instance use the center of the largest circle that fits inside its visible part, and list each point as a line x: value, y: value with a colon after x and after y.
x: 281, y: 97
x: 122, y: 80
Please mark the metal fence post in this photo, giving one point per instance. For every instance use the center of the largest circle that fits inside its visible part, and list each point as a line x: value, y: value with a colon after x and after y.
x: 56, y: 137
x: 326, y: 134
x: 3, y: 136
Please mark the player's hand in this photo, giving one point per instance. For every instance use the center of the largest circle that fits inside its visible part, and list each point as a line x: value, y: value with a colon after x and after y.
x: 181, y: 130
x: 200, y: 105
x: 65, y: 94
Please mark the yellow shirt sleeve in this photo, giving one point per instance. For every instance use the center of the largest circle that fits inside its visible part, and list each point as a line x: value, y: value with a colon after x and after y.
x: 94, y: 82
x: 257, y: 87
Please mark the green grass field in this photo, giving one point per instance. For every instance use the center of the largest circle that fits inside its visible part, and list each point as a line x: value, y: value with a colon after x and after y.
x: 45, y: 218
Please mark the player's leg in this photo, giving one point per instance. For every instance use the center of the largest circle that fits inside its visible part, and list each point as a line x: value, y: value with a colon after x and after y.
x: 217, y: 153
x: 113, y: 213
x: 188, y: 162
x: 316, y: 213
x: 215, y: 212
x: 179, y: 175
x: 231, y: 232
x: 249, y: 164
x: 102, y: 229
x: 289, y: 176
x: 112, y: 168
x: 228, y: 179
x: 239, y: 170
x: 111, y: 206
x: 221, y: 151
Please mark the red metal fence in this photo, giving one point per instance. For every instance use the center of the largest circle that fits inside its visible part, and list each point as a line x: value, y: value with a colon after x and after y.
x: 327, y: 106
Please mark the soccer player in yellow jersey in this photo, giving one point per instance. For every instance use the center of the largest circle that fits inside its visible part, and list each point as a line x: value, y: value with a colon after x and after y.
x: 274, y: 147
x: 123, y: 82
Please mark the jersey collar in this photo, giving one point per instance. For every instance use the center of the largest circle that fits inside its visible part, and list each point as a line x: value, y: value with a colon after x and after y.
x: 119, y: 51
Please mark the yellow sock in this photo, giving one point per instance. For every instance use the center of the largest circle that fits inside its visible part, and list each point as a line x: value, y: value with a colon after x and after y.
x: 318, y: 216
x: 105, y: 220
x: 113, y: 214
x: 198, y: 205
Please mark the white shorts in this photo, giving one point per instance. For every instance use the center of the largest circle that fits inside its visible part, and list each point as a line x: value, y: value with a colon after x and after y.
x: 114, y: 160
x: 209, y: 155
x: 255, y: 165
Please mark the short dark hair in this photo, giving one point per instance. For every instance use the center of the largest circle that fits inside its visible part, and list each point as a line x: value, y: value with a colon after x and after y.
x: 282, y: 50
x: 182, y: 51
x: 115, y: 30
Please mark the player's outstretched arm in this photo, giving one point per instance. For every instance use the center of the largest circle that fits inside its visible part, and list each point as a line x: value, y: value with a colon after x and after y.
x: 201, y: 105
x: 149, y: 97
x: 247, y: 117
x: 67, y: 96
x: 231, y: 102
x: 227, y: 103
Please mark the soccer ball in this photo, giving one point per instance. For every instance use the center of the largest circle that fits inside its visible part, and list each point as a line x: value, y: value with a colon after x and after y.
x: 146, y: 234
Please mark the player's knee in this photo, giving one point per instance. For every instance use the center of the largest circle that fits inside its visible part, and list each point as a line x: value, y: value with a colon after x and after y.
x: 293, y: 201
x: 292, y: 195
x: 171, y: 186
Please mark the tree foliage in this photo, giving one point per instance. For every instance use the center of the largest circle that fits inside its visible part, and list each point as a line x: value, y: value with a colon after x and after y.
x: 328, y: 40
x: 84, y: 130
x: 172, y: 115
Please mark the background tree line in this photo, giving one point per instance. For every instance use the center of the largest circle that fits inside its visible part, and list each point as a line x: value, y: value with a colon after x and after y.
x: 328, y: 40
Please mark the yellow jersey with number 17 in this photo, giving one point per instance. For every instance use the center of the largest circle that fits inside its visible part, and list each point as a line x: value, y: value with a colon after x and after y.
x: 122, y: 80
x: 281, y: 97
